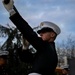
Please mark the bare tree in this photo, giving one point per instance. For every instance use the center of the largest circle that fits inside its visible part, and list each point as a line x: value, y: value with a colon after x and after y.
x: 67, y: 47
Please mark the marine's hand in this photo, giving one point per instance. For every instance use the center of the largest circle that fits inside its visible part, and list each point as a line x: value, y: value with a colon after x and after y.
x: 25, y: 44
x: 8, y: 6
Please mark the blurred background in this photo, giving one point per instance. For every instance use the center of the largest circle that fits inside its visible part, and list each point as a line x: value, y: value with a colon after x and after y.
x: 34, y: 12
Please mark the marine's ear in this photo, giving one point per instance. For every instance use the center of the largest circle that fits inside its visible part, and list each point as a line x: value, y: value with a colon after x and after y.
x: 53, y: 34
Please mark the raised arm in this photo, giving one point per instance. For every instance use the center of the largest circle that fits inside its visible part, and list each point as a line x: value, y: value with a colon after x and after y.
x: 23, y: 26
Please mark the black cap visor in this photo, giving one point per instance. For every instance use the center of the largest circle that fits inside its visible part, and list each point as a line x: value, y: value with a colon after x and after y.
x: 43, y: 30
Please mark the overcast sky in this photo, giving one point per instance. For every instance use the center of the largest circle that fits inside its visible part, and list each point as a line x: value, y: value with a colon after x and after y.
x: 61, y: 12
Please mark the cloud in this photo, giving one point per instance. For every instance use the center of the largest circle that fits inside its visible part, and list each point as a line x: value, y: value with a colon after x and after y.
x: 61, y: 12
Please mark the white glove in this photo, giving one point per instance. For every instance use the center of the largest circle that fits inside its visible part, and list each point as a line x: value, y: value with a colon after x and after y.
x: 8, y: 6
x: 25, y: 43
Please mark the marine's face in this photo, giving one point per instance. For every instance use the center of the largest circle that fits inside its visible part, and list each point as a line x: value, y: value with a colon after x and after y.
x: 2, y: 61
x: 65, y: 72
x: 47, y: 36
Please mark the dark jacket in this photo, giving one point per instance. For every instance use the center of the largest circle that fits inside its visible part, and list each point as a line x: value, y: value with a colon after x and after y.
x: 45, y: 60
x: 3, y: 70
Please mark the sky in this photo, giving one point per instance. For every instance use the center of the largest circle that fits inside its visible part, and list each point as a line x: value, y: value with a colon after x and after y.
x: 60, y: 12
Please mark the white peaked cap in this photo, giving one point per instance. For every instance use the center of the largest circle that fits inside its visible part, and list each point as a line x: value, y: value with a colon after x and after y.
x: 65, y: 66
x: 4, y: 53
x: 47, y: 24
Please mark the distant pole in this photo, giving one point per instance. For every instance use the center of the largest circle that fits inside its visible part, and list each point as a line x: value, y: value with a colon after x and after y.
x: 65, y: 61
